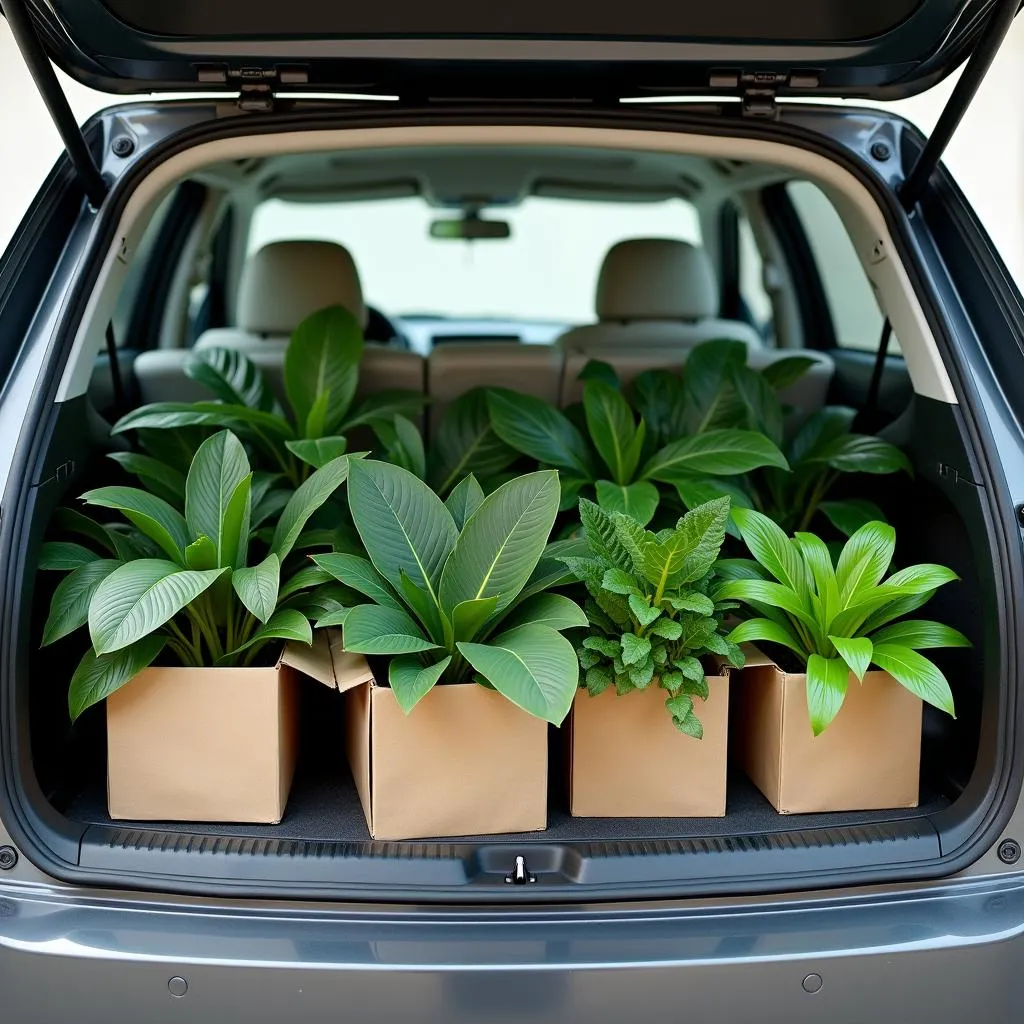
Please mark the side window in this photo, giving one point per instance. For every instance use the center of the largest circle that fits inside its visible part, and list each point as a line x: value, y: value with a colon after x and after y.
x: 752, y: 289
x: 856, y: 318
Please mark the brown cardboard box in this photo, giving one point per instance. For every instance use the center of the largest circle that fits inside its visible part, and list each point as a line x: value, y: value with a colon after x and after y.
x: 465, y: 761
x: 203, y: 744
x: 867, y: 759
x: 628, y: 760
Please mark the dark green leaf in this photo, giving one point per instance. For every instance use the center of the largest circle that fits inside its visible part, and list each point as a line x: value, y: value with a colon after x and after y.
x: 317, y: 451
x: 411, y: 681
x: 597, y: 369
x: 359, y: 574
x: 69, y: 608
x: 313, y: 492
x: 64, y: 555
x: 464, y: 500
x: 466, y: 443
x: 611, y: 427
x: 638, y: 500
x: 373, y: 629
x: 257, y: 587
x: 783, y: 372
x: 850, y: 515
x: 97, y: 677
x: 716, y: 452
x: 163, y: 480
x: 232, y: 377
x: 212, y: 508
x: 859, y: 453
x: 152, y: 515
x: 553, y: 610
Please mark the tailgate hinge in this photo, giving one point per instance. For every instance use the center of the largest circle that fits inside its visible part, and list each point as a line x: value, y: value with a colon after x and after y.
x: 759, y: 89
x: 256, y: 85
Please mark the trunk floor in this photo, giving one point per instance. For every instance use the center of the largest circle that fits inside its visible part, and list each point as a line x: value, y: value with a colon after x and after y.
x: 324, y: 806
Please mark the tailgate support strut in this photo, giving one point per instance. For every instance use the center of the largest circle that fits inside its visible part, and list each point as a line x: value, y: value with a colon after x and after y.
x: 42, y: 72
x: 980, y: 60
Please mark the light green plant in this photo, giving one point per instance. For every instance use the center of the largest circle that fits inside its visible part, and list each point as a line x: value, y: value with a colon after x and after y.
x: 186, y: 577
x: 651, y: 619
x: 839, y: 618
x: 459, y: 589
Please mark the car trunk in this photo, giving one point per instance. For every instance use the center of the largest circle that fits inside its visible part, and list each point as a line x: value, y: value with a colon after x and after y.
x: 322, y: 847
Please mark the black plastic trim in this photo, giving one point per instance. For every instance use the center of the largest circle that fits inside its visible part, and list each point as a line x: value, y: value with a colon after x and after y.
x: 965, y: 844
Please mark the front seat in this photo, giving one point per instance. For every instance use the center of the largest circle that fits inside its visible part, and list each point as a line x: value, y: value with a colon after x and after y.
x: 655, y: 293
x: 282, y: 284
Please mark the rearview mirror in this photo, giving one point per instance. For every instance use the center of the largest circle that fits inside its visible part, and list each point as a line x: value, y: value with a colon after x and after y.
x: 470, y: 228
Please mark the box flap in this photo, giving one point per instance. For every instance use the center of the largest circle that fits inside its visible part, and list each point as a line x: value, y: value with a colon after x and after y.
x: 754, y: 657
x: 326, y: 662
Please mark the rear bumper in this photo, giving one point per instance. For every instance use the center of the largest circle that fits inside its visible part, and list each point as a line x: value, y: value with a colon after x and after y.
x: 955, y: 954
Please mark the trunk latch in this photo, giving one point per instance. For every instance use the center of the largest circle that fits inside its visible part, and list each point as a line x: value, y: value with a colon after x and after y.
x: 520, y: 874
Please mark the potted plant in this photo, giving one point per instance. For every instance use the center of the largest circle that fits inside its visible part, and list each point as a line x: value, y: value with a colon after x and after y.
x: 449, y: 735
x: 824, y: 732
x: 185, y: 619
x: 650, y: 725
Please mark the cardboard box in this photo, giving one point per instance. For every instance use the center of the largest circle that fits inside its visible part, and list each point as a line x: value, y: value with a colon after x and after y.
x: 464, y: 762
x: 868, y: 758
x: 627, y: 759
x: 203, y: 744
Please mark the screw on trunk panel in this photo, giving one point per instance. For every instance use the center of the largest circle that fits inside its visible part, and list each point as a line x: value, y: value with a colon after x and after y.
x: 123, y: 146
x: 177, y: 987
x: 812, y: 983
x: 1009, y: 851
x: 881, y: 150
x: 8, y: 857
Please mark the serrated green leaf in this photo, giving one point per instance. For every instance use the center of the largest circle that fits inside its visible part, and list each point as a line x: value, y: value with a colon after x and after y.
x: 635, y: 649
x: 601, y: 538
x: 620, y: 582
x: 598, y: 679
x: 667, y: 628
x: 643, y: 612
x: 604, y: 645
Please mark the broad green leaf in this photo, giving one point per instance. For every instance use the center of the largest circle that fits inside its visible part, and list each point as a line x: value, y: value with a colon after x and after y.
x: 383, y: 406
x: 619, y: 581
x: 175, y: 448
x: 706, y: 381
x: 438, y: 625
x: 772, y: 548
x: 152, y: 515
x: 645, y: 613
x: 317, y: 451
x: 553, y: 610
x: 464, y: 500
x: 257, y: 586
x: 917, y: 634
x: 611, y: 427
x: 269, y: 507
x: 139, y: 597
x: 716, y: 452
x: 850, y: 515
x: 69, y: 607
x: 232, y: 377
x: 660, y: 398
x: 864, y: 561
x: 201, y: 554
x: 597, y: 369
x: 373, y: 629
x: 64, y: 555
x: 237, y: 525
x: 860, y: 453
x: 219, y: 467
x: 172, y: 415
x: 762, y: 410
x: 670, y: 629
x: 163, y: 480
x: 502, y: 541
x: 635, y: 649
x: 73, y: 521
x: 533, y: 666
x: 469, y: 617
x: 692, y: 601
x: 335, y: 618
x: 308, y: 576
x: 407, y: 450
x: 535, y: 428
x: 311, y: 494
x: 855, y: 652
x: 638, y: 500
x: 760, y: 593
x: 287, y: 624
x: 696, y: 490
x: 323, y: 356
x: 879, y: 606
x: 916, y: 673
x: 818, y: 430
x: 922, y: 578
x: 827, y: 680
x: 403, y: 524
x: 783, y: 372
x: 316, y: 420
x: 411, y: 681
x: 466, y: 443
x: 359, y: 574
x: 818, y: 560
x: 97, y: 677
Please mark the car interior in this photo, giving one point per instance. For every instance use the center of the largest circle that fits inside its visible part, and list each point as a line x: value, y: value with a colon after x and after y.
x: 628, y: 256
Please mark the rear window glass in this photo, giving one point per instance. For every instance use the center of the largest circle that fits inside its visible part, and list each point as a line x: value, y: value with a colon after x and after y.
x: 546, y: 270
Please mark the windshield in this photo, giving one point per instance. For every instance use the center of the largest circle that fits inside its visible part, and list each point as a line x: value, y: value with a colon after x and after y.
x: 546, y: 270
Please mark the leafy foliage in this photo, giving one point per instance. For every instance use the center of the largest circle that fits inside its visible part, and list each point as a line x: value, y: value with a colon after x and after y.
x: 650, y: 613
x: 616, y: 458
x: 203, y: 594
x: 718, y: 390
x: 839, y: 617
x: 459, y: 591
x: 321, y: 374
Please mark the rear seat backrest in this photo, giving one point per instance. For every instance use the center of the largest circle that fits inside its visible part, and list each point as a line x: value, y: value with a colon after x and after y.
x: 453, y: 369
x: 806, y: 395
x: 281, y: 285
x: 655, y: 293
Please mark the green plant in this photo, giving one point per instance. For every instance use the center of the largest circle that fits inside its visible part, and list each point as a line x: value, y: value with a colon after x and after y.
x: 459, y: 588
x: 321, y: 373
x: 185, y: 577
x: 839, y: 618
x: 632, y: 467
x: 650, y: 613
x: 716, y: 389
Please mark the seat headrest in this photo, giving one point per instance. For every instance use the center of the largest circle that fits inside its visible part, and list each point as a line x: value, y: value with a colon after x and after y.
x: 284, y: 282
x: 656, y: 279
